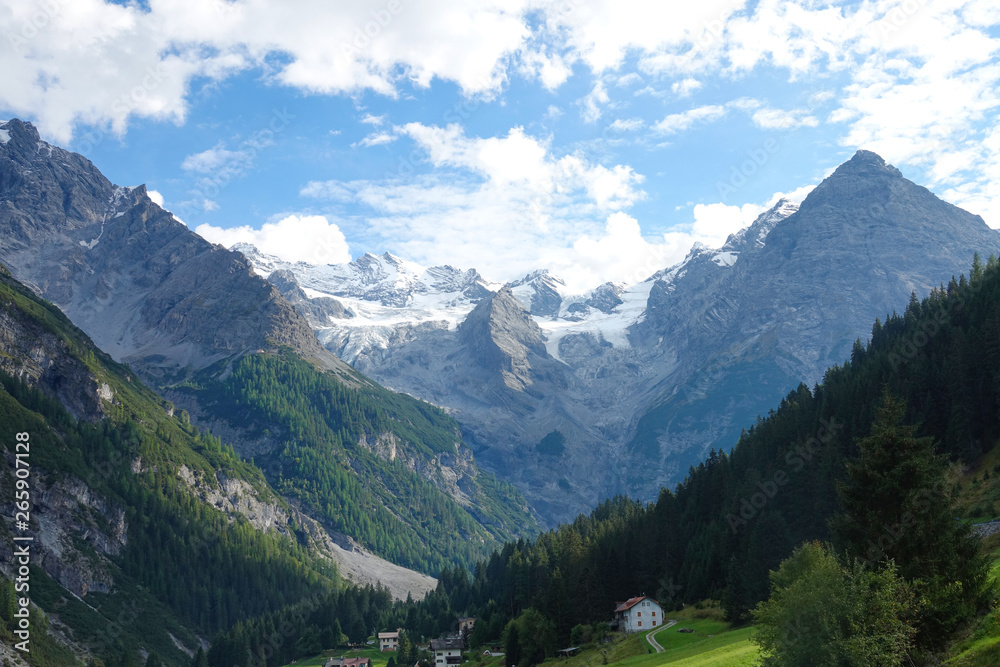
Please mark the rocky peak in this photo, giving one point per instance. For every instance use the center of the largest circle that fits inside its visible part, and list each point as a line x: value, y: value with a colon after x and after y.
x: 754, y: 236
x: 869, y: 164
x: 540, y: 292
x: 502, y: 337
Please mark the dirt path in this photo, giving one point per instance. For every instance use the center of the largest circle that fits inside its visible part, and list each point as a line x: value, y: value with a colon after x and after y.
x: 653, y: 642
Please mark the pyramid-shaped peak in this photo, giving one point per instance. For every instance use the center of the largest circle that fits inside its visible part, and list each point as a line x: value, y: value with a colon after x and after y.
x: 867, y: 163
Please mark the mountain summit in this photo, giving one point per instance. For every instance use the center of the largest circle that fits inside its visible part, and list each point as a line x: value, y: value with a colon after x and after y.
x: 138, y: 281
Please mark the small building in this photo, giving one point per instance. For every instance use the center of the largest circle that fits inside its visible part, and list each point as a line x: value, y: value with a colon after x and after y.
x: 447, y: 651
x: 388, y: 641
x: 638, y: 614
x: 465, y: 624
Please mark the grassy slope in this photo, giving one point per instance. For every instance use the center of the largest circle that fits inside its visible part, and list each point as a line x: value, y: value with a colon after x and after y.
x: 713, y: 642
x: 977, y: 494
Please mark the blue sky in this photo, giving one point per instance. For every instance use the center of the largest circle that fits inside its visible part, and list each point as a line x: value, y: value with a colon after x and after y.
x: 599, y: 139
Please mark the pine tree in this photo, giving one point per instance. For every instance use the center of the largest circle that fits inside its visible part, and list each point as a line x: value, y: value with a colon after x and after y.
x: 896, y: 509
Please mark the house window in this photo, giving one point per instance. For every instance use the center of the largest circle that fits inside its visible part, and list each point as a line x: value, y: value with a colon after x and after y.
x: 640, y: 624
x: 654, y: 614
x: 639, y: 613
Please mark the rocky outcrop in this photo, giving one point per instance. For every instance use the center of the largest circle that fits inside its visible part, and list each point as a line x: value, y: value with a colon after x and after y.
x: 319, y: 311
x: 76, y: 530
x: 266, y: 513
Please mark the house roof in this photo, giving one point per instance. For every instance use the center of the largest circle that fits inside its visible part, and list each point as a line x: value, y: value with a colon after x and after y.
x: 628, y: 604
x: 447, y: 644
x: 388, y: 635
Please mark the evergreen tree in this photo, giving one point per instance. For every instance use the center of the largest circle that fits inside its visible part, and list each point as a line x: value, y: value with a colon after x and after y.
x: 512, y: 645
x: 896, y: 509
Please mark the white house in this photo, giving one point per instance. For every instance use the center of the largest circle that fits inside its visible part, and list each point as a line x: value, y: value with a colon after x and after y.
x: 447, y: 651
x: 638, y: 614
x: 388, y: 641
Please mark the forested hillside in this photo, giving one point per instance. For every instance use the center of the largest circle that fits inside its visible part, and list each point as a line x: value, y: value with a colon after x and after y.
x: 143, y: 554
x: 370, y: 463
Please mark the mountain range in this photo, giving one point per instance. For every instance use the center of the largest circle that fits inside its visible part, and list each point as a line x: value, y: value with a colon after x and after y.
x: 576, y: 398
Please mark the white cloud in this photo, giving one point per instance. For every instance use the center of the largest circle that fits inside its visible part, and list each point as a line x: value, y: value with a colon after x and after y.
x: 781, y: 119
x: 155, y: 197
x: 627, y: 125
x: 307, y: 238
x: 685, y: 87
x: 591, y: 104
x: 678, y: 122
x: 629, y: 79
x: 375, y: 121
x: 100, y: 63
x: 214, y: 159
x: 376, y: 139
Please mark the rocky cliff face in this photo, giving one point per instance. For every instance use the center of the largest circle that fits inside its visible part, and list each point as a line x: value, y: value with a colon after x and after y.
x: 145, y: 288
x: 643, y: 380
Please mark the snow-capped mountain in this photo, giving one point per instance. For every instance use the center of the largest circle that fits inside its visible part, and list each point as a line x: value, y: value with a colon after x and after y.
x: 553, y: 360
x: 641, y: 380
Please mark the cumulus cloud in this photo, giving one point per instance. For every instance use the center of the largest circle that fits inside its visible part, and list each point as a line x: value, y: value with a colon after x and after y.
x: 505, y: 204
x: 155, y: 197
x: 307, y: 238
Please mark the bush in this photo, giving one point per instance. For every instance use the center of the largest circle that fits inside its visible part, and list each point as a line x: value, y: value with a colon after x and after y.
x: 823, y: 613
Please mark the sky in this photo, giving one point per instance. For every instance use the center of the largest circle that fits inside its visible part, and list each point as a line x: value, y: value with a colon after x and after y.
x: 599, y: 139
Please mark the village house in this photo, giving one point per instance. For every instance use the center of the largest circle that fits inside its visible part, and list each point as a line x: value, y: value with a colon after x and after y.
x: 388, y: 641
x: 638, y: 614
x: 447, y: 651
x: 465, y: 624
